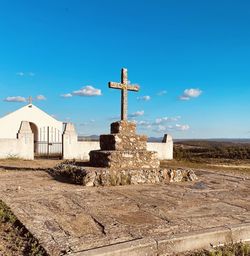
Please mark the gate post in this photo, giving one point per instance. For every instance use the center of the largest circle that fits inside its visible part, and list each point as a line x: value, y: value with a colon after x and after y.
x: 69, y: 139
x: 26, y: 138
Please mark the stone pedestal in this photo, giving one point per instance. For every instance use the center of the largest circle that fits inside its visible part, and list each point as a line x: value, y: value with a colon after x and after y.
x: 123, y: 148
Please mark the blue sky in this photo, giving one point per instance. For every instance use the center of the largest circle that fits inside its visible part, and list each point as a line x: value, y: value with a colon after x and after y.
x: 190, y: 57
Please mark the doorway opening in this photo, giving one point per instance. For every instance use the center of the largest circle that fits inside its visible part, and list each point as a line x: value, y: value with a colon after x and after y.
x: 34, y: 130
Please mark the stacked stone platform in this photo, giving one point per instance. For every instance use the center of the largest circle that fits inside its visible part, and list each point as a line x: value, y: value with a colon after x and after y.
x: 123, y: 148
x: 122, y: 141
x: 124, y: 159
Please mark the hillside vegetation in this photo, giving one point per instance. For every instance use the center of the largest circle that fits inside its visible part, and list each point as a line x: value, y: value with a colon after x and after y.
x: 216, y: 151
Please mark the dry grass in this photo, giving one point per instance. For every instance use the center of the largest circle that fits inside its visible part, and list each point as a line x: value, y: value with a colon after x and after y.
x: 232, y: 169
x: 237, y: 249
x: 15, y: 239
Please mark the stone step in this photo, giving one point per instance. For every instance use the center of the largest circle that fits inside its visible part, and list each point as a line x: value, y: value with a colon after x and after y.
x: 121, y: 141
x: 123, y: 127
x: 124, y: 159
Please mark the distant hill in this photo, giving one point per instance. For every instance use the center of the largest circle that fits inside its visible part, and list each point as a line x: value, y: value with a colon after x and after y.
x: 96, y: 138
x: 159, y: 139
x: 155, y: 139
x: 226, y: 140
x: 88, y: 138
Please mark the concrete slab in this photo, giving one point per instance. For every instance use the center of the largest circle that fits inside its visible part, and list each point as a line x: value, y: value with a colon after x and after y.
x: 68, y: 218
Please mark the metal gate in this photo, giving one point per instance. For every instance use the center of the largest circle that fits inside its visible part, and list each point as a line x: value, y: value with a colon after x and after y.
x: 49, y: 143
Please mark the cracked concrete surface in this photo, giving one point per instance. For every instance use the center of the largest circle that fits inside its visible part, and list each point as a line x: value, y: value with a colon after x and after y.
x: 71, y: 218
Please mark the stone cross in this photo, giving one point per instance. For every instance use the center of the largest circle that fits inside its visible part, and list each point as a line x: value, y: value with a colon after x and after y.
x: 124, y: 86
x: 30, y: 100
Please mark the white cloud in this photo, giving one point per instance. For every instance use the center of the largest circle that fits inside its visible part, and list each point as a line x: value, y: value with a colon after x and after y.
x: 145, y: 98
x: 25, y: 74
x: 161, y: 93
x: 190, y: 93
x: 163, y: 124
x: 87, y: 91
x: 20, y: 74
x: 184, y: 97
x: 137, y: 113
x: 86, y: 123
x: 160, y: 128
x: 143, y: 124
x: 15, y: 99
x: 167, y: 119
x: 67, y: 95
x: 40, y: 97
x: 183, y: 127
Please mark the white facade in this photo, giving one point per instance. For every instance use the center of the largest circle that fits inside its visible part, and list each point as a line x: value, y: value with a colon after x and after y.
x: 38, y: 119
x: 47, y: 131
x: 21, y: 147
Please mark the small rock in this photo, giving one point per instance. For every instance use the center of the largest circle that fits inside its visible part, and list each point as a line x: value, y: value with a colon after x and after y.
x: 89, y: 179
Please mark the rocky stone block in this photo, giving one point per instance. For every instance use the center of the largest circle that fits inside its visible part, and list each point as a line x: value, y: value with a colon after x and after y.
x: 124, y: 159
x: 93, y: 176
x: 123, y: 127
x: 121, y: 141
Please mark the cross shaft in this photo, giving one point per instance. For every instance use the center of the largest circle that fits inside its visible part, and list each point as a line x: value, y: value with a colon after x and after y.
x: 30, y: 100
x: 124, y: 86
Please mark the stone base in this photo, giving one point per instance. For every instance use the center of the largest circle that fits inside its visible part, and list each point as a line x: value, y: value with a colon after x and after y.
x: 124, y: 159
x: 121, y: 141
x: 93, y: 176
x: 123, y: 126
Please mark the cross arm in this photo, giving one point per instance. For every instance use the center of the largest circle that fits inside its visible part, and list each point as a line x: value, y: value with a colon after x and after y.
x: 115, y: 85
x: 131, y: 87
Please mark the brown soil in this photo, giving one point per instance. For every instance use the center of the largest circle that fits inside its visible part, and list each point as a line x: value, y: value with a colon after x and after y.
x: 19, y: 164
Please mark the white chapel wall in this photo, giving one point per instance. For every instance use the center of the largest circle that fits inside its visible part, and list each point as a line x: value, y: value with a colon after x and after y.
x: 10, y: 124
x: 21, y: 147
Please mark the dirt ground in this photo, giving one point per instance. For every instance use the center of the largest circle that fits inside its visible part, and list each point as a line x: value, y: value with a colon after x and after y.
x: 18, y: 164
x: 43, y: 164
x: 69, y: 218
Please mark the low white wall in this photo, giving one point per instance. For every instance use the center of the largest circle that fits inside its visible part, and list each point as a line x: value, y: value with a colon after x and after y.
x: 17, y: 148
x: 164, y: 149
x: 79, y: 149
x: 74, y: 149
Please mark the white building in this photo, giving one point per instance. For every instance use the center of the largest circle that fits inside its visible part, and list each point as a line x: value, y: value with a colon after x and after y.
x: 29, y: 132
x: 47, y: 131
x: 38, y: 119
